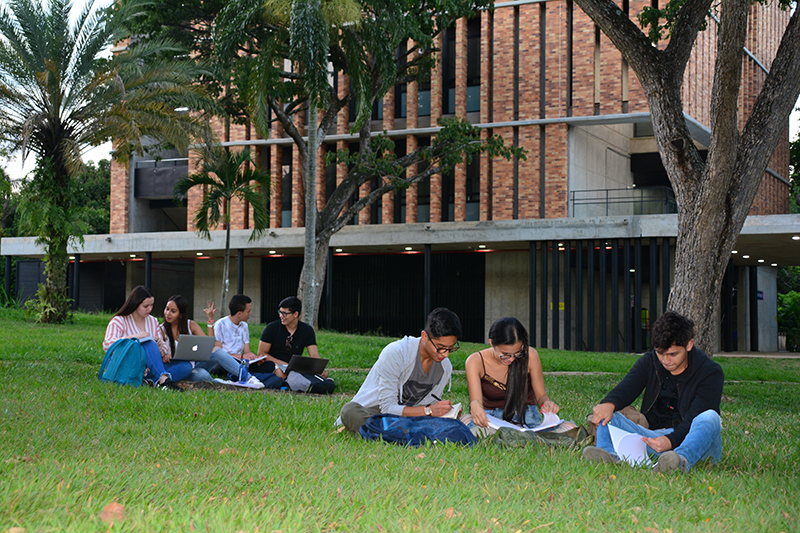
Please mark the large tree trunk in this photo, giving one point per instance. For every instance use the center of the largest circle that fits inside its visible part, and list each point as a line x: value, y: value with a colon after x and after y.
x: 713, y: 197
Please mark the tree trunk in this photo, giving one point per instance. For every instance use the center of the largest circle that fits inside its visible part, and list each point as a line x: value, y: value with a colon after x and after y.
x: 226, y: 266
x: 53, y: 304
x: 307, y: 291
x: 713, y: 197
x: 701, y: 258
x: 320, y: 271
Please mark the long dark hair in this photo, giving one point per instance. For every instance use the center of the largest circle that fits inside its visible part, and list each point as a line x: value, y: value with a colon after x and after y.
x: 135, y: 299
x: 505, y: 331
x: 183, y: 321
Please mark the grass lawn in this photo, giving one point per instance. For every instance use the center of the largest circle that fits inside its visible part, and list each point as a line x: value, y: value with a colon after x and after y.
x: 208, y: 460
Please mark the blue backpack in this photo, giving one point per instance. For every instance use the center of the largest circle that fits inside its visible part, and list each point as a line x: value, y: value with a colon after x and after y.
x: 415, y: 430
x: 124, y: 363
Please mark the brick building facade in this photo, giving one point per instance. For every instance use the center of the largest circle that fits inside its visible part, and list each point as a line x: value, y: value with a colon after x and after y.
x: 540, y: 64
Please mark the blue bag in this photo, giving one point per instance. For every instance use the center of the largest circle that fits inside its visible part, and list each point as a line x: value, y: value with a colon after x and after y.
x: 124, y: 363
x: 415, y: 430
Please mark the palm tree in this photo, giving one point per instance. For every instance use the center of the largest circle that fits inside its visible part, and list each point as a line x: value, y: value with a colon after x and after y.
x: 59, y: 97
x: 227, y: 175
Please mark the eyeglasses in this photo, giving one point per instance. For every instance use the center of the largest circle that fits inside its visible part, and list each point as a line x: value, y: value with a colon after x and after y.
x: 444, y: 350
x: 507, y: 356
x: 289, y: 341
x: 284, y: 313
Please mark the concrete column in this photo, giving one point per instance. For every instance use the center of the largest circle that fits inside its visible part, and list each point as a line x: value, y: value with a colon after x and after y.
x: 76, y: 282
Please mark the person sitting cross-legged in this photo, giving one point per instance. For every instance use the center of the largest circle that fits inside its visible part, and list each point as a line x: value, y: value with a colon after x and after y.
x: 506, y: 381
x: 409, y: 377
x: 286, y: 337
x: 682, y: 392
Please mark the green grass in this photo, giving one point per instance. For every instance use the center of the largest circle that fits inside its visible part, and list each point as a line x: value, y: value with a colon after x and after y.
x: 260, y: 461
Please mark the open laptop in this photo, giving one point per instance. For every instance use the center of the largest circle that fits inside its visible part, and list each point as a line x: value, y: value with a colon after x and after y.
x: 308, y: 365
x: 194, y: 348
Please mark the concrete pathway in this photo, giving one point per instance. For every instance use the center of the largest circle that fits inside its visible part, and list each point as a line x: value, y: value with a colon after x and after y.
x: 760, y: 355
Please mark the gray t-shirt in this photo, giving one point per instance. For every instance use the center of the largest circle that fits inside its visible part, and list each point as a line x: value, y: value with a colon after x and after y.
x: 420, y: 384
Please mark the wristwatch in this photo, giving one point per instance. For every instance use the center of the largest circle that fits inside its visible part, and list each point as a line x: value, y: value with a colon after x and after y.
x: 428, y: 411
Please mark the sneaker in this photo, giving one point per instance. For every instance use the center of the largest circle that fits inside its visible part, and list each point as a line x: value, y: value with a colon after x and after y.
x: 253, y: 382
x: 669, y: 461
x: 593, y: 453
x: 169, y: 385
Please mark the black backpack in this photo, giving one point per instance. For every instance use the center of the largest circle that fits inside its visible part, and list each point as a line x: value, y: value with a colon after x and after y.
x: 415, y: 430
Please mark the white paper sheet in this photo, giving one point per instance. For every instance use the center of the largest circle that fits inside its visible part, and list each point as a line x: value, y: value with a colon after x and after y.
x: 629, y: 446
x: 549, y: 420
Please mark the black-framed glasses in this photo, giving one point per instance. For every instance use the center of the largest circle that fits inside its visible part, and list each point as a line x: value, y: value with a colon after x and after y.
x: 289, y: 341
x: 284, y: 313
x: 444, y: 350
x: 507, y: 356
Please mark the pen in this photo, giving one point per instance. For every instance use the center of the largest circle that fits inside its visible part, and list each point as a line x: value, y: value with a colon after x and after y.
x: 436, y: 398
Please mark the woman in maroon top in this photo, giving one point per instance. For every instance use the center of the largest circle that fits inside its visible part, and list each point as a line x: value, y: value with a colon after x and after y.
x: 506, y: 379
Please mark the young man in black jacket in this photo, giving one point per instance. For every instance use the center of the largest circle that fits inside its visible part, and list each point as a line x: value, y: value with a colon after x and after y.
x: 682, y: 390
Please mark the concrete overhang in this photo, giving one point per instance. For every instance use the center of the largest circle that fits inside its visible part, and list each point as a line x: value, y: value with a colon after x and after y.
x: 763, y: 237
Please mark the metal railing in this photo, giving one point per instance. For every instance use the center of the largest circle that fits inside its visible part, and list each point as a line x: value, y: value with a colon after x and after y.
x: 621, y: 202
x: 160, y: 163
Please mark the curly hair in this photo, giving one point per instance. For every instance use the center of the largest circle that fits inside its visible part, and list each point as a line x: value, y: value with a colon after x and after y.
x: 672, y: 329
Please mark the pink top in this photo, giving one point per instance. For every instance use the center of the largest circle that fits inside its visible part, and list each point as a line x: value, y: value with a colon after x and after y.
x: 124, y: 326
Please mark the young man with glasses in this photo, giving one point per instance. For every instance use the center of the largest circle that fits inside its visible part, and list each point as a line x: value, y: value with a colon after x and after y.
x: 285, y: 337
x: 410, y: 375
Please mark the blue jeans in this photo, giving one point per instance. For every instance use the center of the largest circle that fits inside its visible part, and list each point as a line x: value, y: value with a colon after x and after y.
x: 157, y: 368
x: 704, y: 439
x: 219, y: 359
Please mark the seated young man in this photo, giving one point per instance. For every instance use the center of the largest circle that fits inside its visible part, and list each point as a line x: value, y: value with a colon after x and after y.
x: 233, y: 334
x: 410, y: 375
x: 285, y: 337
x: 682, y: 391
x: 232, y: 331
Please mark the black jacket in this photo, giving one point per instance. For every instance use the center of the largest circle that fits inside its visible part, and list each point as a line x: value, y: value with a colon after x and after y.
x: 701, y: 390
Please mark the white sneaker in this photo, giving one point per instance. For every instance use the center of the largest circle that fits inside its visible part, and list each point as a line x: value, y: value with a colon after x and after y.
x: 253, y: 382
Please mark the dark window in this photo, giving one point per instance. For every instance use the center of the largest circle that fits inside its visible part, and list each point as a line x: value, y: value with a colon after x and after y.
x: 423, y: 188
x: 424, y: 99
x: 330, y: 174
x: 286, y: 205
x: 449, y: 71
x: 474, y: 189
x: 401, y: 89
x: 474, y: 65
x: 400, y: 194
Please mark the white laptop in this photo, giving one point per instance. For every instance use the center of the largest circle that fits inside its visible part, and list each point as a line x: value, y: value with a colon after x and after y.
x: 193, y: 348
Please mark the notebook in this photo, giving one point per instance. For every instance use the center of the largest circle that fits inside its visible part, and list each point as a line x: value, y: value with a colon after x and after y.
x: 308, y: 365
x: 193, y: 348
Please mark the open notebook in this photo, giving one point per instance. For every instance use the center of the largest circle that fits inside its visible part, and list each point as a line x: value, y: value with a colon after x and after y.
x: 549, y: 420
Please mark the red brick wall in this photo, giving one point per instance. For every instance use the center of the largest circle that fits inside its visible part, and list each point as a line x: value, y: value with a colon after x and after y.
x: 582, y: 64
x: 119, y: 207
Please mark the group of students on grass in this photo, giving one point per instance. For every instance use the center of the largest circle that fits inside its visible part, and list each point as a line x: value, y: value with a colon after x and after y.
x: 280, y: 340
x: 679, y: 419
